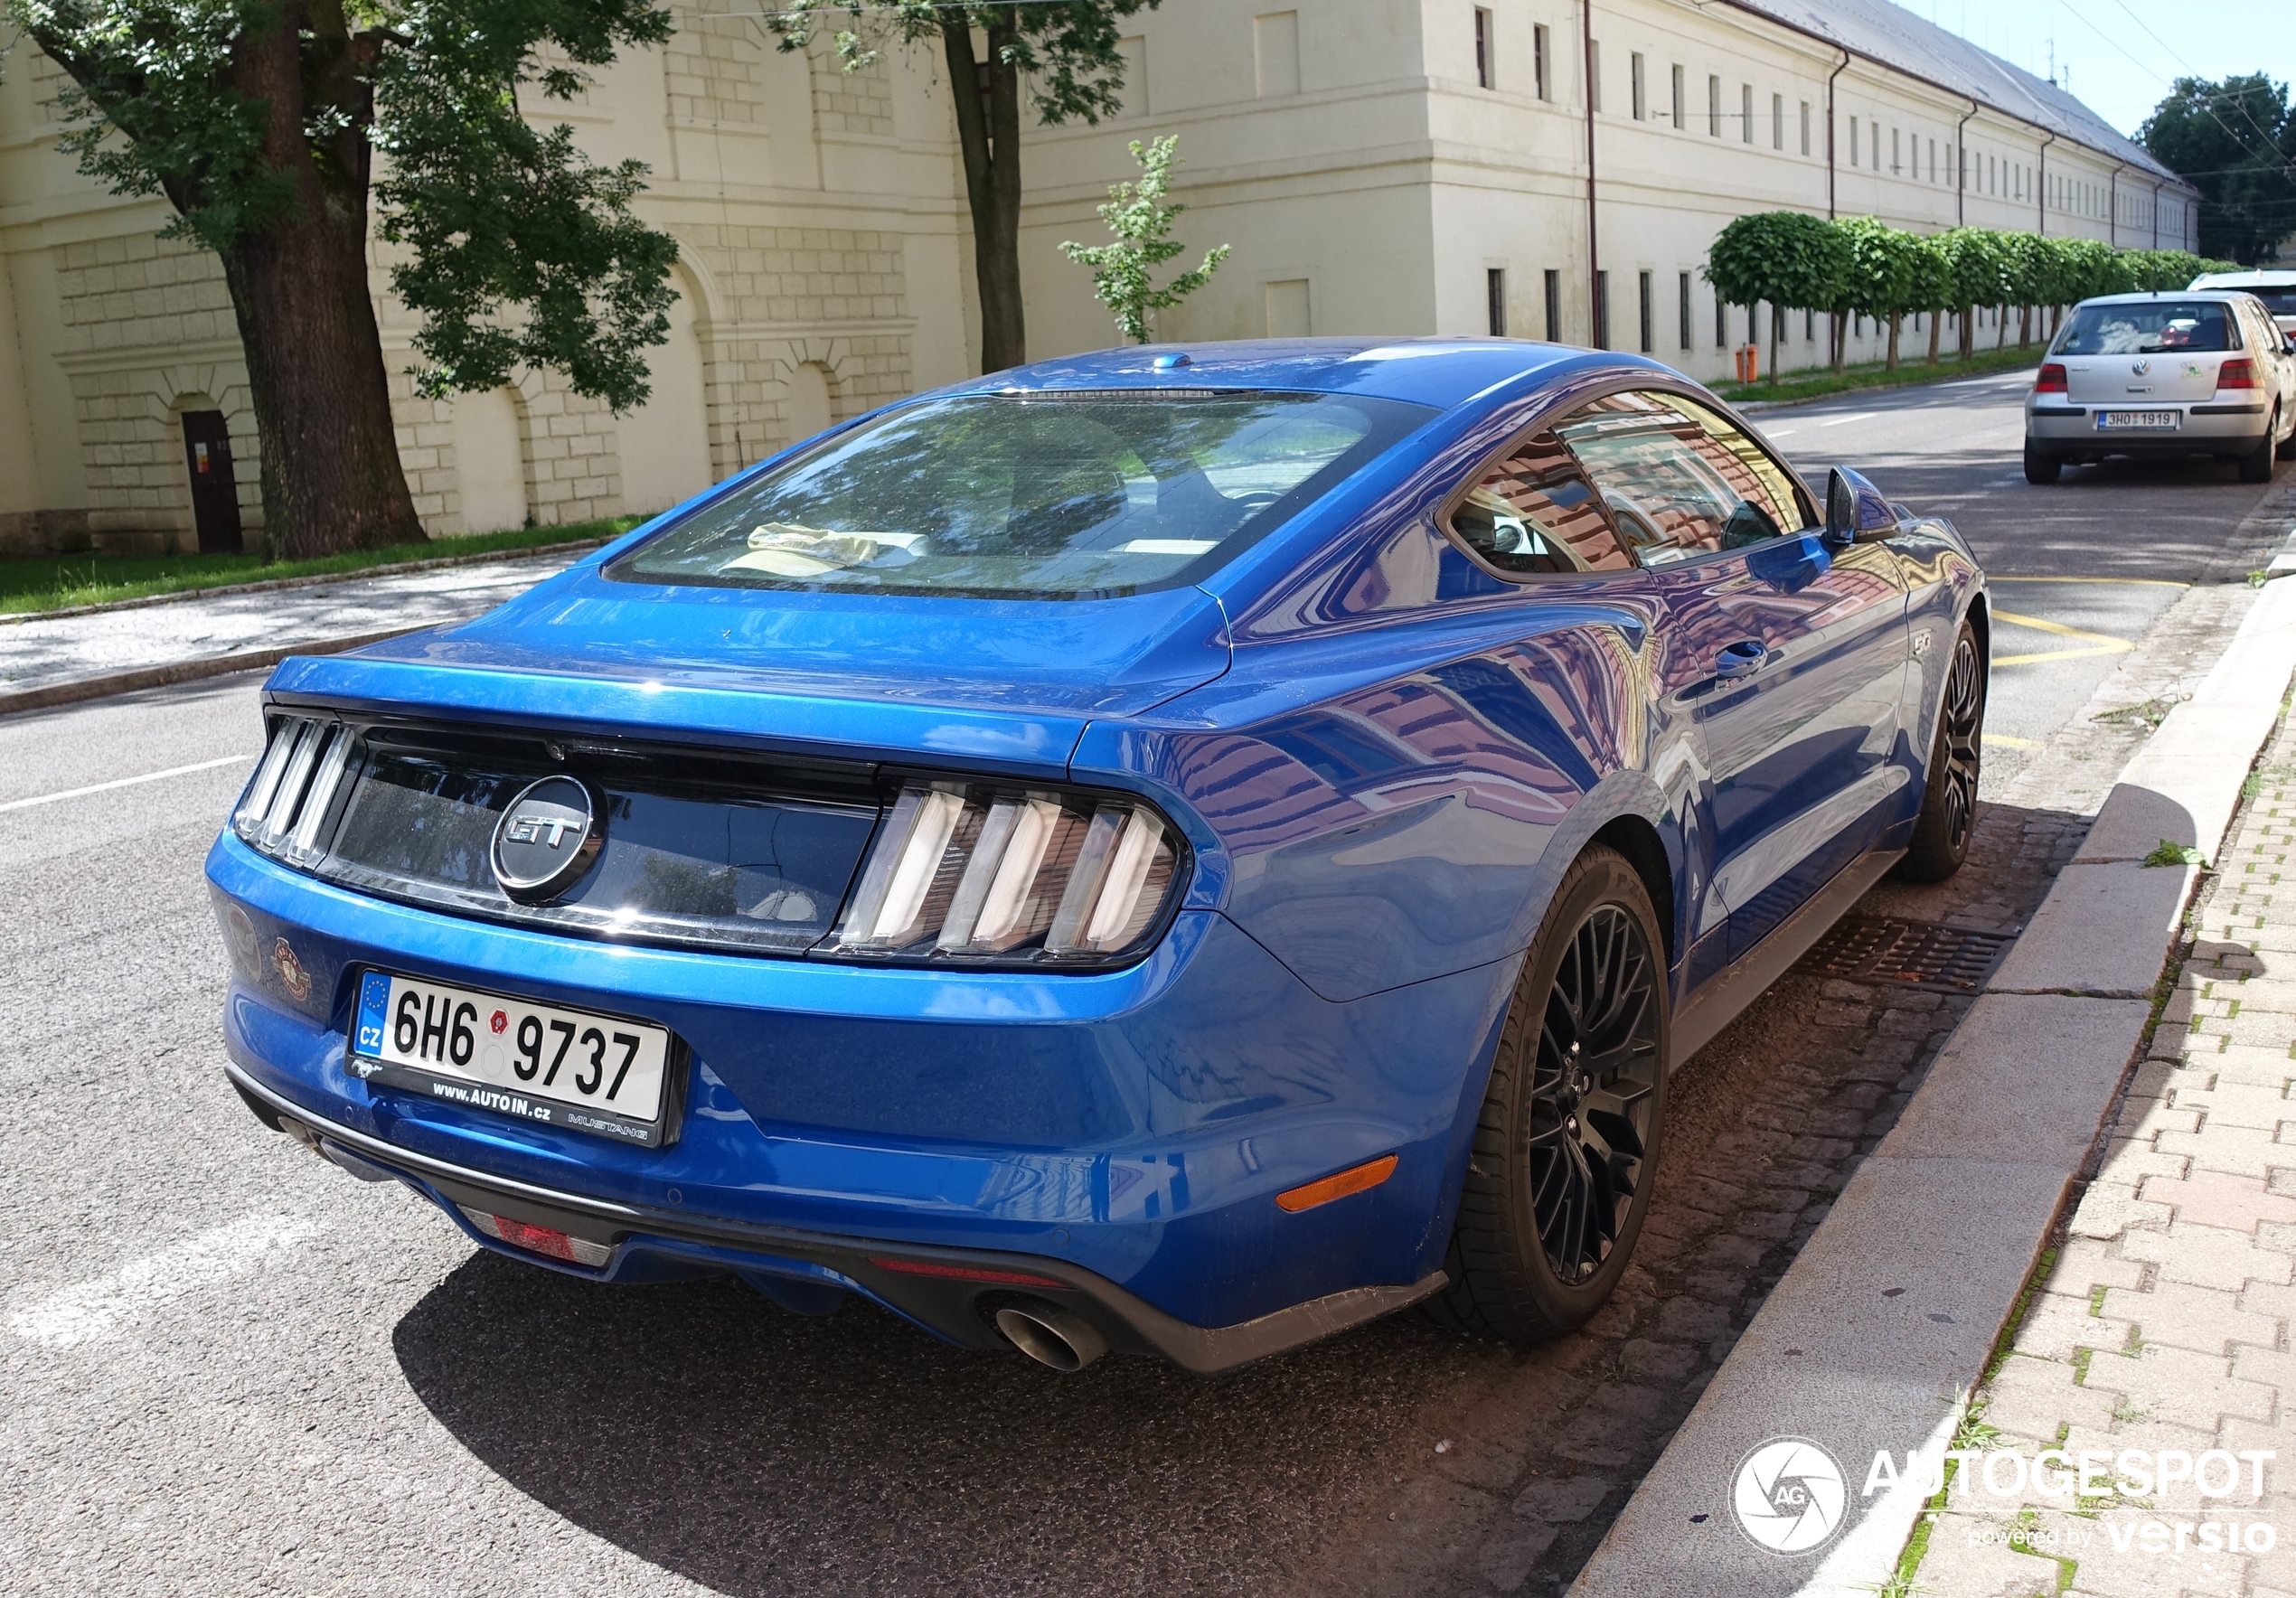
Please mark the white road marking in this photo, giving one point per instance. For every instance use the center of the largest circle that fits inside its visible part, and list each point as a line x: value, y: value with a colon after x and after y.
x: 1863, y: 416
x: 1780, y: 432
x: 124, y: 782
x: 92, y: 1311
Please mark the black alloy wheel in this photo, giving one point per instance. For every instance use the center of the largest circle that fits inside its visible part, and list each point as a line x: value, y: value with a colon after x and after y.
x: 2257, y: 465
x: 1591, y: 1093
x: 1566, y: 1150
x: 2042, y: 468
x: 1949, y: 802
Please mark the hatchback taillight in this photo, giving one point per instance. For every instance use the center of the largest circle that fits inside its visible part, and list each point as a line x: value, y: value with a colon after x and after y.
x: 2239, y: 372
x: 979, y: 871
x: 2051, y: 381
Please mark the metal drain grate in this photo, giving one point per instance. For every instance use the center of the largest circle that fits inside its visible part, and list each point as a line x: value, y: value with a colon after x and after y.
x: 1925, y: 953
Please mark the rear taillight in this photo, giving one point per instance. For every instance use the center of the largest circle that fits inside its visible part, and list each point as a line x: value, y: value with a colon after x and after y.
x: 2240, y: 373
x: 291, y: 798
x: 2051, y: 381
x: 976, y: 871
x: 546, y: 1241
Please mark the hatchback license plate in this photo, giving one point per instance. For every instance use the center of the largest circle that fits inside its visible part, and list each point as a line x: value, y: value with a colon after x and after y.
x: 2109, y: 419
x: 564, y: 1067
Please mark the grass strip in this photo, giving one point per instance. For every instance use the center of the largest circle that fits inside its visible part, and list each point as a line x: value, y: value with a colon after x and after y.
x: 1817, y: 385
x: 31, y: 584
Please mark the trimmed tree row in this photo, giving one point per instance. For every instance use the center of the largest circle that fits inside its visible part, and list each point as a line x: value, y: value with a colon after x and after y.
x: 1862, y: 267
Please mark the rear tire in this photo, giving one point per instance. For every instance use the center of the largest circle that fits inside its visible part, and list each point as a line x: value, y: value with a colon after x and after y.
x: 1566, y: 1148
x: 2256, y: 466
x: 2287, y: 450
x: 1949, y: 800
x: 2041, y: 469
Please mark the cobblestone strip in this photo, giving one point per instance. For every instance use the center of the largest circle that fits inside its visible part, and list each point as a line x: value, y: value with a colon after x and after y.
x: 2163, y: 1322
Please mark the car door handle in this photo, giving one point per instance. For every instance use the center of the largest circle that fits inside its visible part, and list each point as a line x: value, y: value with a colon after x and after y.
x: 1739, y: 660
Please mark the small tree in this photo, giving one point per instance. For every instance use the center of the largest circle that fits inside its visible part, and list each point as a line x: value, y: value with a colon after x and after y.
x: 1068, y: 52
x: 1880, y: 279
x: 259, y: 120
x: 1788, y: 257
x: 1974, y: 257
x: 1931, y: 290
x: 1140, y: 220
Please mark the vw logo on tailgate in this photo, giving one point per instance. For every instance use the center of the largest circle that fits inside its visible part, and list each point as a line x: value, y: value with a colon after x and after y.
x: 546, y: 839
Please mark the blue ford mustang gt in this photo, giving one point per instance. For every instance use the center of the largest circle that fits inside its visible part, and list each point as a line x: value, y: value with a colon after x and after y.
x: 1169, y: 851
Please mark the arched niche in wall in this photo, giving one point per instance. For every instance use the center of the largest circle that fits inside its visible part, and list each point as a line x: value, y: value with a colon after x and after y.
x: 809, y: 408
x: 666, y: 444
x: 490, y: 460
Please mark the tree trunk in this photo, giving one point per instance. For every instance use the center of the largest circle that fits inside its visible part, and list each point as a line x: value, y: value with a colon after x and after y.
x: 2001, y: 327
x: 1896, y: 319
x: 1936, y: 326
x: 1969, y: 332
x: 989, y: 137
x: 1840, y: 341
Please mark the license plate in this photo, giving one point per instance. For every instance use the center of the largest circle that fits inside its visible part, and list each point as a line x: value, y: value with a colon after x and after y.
x: 2107, y: 420
x: 563, y: 1068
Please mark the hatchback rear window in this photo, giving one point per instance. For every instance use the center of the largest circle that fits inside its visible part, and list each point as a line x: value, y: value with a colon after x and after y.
x: 1050, y: 495
x: 2280, y: 302
x: 2147, y: 327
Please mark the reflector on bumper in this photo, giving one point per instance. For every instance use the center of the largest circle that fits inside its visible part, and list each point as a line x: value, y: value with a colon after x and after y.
x: 542, y: 1240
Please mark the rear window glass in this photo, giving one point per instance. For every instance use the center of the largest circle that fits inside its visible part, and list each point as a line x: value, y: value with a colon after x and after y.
x: 2147, y: 327
x: 2280, y: 302
x: 1050, y: 496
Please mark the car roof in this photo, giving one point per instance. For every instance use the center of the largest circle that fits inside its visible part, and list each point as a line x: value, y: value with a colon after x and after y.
x: 2255, y: 276
x: 2225, y: 295
x: 1437, y: 372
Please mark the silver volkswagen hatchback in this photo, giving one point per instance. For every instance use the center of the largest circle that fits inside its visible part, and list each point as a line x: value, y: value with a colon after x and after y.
x: 2194, y: 372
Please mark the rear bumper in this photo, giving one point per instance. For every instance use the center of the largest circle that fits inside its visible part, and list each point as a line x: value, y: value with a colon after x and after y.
x: 2229, y: 428
x: 806, y: 1272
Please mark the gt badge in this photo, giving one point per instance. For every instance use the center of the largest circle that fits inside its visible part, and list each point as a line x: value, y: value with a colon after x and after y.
x: 546, y: 839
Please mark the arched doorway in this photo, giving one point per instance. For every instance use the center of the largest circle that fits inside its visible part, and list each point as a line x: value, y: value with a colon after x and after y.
x: 665, y: 447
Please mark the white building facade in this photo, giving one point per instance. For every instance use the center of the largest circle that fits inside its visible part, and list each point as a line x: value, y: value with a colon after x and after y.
x: 1380, y: 166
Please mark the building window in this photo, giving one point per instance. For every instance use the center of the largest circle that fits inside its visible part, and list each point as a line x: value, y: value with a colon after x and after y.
x: 1713, y: 107
x: 1777, y: 121
x: 1594, y: 74
x: 1494, y: 289
x: 1853, y: 141
x: 1721, y: 322
x: 1876, y: 129
x: 1805, y: 127
x: 1602, y: 310
x: 1634, y: 86
x: 1554, y: 289
x: 1896, y: 153
x: 1932, y: 161
x: 1649, y: 338
x: 1681, y: 109
x: 1539, y: 56
x: 1482, y: 48
x: 1809, y: 326
x: 1746, y: 113
x: 1687, y: 334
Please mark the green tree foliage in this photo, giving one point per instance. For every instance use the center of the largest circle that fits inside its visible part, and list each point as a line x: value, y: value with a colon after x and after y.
x: 260, y: 120
x: 1862, y: 267
x: 2236, y: 142
x: 1065, y: 49
x: 1122, y: 270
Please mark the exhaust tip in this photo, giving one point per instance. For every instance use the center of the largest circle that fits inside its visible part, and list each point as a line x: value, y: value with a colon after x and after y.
x: 1051, y: 1336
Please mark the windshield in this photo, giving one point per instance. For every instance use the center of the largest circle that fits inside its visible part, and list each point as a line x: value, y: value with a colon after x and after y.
x: 1049, y: 495
x: 2147, y: 327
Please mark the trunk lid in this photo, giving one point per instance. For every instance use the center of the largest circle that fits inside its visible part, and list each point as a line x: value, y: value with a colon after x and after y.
x: 2135, y: 383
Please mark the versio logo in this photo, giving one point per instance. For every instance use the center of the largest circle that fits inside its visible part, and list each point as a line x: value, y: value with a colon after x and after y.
x: 1788, y: 1495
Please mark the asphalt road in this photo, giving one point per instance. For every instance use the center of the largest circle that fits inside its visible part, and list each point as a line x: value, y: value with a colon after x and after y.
x: 230, y: 1367
x: 2081, y: 568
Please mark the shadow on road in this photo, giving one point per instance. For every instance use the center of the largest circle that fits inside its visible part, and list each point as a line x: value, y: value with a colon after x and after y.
x: 757, y: 1452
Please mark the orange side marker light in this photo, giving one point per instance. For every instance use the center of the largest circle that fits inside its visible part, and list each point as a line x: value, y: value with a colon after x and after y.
x: 1356, y: 1179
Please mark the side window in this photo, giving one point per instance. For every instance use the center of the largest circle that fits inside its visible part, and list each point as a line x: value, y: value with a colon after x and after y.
x: 1677, y: 478
x: 1533, y: 512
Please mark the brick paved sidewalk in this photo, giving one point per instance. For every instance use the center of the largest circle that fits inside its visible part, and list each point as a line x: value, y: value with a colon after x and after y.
x: 2164, y: 1321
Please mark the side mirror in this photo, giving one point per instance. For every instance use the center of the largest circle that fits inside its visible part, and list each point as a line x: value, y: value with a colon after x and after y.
x: 1855, y: 510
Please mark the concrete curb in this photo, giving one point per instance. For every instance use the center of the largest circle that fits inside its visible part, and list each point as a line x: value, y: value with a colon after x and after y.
x: 1885, y: 1321
x: 317, y: 579
x: 107, y: 683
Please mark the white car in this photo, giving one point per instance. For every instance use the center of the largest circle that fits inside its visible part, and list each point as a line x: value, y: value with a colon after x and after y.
x: 2276, y: 287
x: 2207, y: 371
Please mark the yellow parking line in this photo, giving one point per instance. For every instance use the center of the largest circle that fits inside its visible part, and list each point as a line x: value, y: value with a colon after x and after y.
x: 2006, y: 741
x: 2061, y: 630
x: 2057, y: 654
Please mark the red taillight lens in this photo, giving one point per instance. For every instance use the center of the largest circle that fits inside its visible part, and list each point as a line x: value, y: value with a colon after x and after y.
x: 2238, y: 374
x: 2051, y: 381
x: 964, y: 1273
